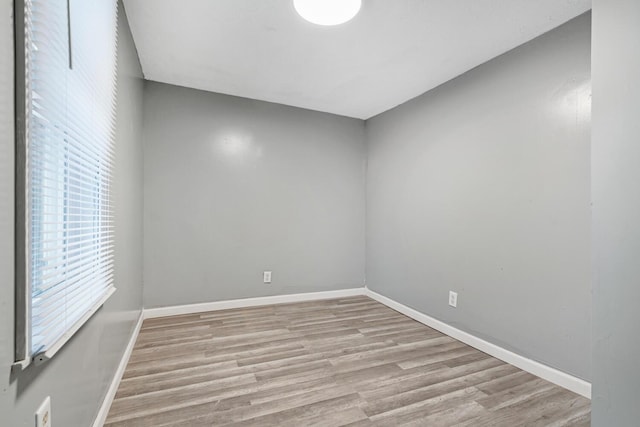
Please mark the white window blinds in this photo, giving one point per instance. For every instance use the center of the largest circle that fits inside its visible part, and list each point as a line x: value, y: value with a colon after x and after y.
x: 70, y: 51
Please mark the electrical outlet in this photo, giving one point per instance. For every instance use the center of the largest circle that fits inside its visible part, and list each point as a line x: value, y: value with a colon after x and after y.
x: 266, y: 277
x: 43, y: 414
x: 453, y: 299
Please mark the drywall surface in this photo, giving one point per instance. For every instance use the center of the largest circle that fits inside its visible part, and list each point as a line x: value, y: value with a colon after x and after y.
x: 481, y: 186
x: 616, y: 213
x: 78, y: 376
x: 234, y: 187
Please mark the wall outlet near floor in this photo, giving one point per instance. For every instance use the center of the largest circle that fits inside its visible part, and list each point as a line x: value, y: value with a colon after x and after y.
x: 43, y: 414
x: 453, y: 299
x: 266, y: 277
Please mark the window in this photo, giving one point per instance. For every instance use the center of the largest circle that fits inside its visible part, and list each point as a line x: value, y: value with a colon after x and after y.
x: 66, y: 94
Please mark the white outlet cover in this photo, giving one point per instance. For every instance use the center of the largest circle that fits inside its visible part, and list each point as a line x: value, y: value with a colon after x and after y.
x: 43, y: 414
x: 267, y: 277
x: 453, y: 299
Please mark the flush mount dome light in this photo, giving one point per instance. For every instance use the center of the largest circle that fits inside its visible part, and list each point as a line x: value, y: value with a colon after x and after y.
x: 327, y: 12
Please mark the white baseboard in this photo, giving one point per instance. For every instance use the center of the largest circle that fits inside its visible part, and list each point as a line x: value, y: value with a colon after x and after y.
x: 548, y: 373
x: 113, y: 387
x: 249, y: 302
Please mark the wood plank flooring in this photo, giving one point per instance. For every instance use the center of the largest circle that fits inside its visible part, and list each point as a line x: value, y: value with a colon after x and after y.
x: 350, y: 361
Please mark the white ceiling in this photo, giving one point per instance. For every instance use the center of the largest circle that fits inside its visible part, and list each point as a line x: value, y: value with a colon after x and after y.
x: 392, y: 51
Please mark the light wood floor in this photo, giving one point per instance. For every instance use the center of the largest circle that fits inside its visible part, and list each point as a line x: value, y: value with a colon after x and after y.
x: 348, y: 361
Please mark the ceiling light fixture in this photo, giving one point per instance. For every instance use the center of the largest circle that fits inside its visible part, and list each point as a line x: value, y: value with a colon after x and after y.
x: 327, y: 12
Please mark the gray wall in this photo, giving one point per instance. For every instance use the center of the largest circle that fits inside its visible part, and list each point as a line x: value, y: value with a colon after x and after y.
x: 616, y: 212
x: 78, y: 376
x: 234, y: 187
x: 481, y: 186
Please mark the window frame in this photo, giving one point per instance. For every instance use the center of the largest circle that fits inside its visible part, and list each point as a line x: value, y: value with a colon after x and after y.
x: 22, y: 268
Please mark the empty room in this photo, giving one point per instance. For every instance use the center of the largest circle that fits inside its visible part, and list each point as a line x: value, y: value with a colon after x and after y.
x: 319, y: 213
